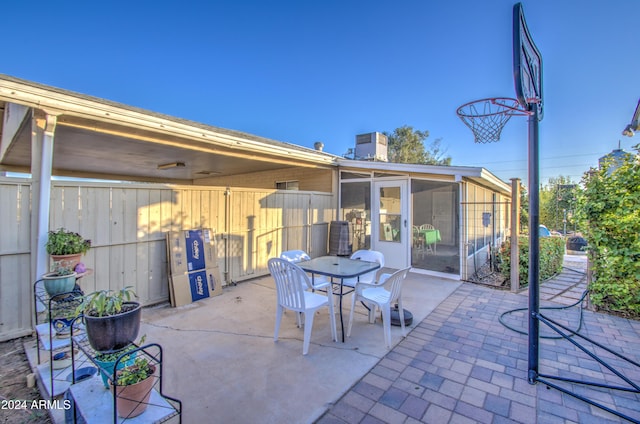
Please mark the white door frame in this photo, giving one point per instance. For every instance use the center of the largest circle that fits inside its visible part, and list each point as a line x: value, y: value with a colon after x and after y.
x: 397, y: 253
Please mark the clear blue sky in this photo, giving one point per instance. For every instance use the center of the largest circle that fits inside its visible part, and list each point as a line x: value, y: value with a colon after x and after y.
x: 302, y: 71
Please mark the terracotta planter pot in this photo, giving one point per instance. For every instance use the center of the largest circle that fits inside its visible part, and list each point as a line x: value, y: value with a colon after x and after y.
x: 107, y: 367
x: 67, y: 261
x: 112, y: 333
x: 132, y: 400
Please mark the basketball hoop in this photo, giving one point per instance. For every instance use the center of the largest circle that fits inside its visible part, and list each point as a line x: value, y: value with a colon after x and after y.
x: 487, y: 117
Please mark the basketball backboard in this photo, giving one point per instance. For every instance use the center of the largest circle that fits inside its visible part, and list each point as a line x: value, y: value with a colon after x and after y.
x: 527, y: 64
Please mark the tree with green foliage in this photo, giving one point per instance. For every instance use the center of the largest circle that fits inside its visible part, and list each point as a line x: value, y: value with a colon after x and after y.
x: 524, y: 209
x: 406, y: 145
x: 557, y: 200
x: 608, y: 212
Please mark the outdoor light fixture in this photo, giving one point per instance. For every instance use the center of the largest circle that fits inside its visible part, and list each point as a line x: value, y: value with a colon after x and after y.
x: 171, y: 165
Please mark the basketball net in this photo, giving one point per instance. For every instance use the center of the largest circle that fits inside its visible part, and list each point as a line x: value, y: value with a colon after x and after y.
x: 487, y: 117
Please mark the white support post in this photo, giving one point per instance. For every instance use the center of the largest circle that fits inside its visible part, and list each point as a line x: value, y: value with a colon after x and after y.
x: 41, y: 163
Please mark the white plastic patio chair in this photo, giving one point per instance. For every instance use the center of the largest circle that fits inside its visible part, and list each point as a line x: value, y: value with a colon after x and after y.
x: 290, y: 294
x: 382, y: 296
x: 428, y: 247
x: 418, y: 240
x: 370, y: 277
x: 295, y: 256
x: 317, y: 281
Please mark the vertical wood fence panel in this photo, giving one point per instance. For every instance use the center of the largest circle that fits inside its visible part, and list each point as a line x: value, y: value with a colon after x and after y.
x: 15, y: 259
x: 127, y: 224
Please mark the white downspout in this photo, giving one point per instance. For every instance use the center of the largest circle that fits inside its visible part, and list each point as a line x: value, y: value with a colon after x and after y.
x: 41, y: 164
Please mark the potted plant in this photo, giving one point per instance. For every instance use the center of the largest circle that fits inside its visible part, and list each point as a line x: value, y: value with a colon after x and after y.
x: 60, y: 280
x: 66, y: 248
x: 63, y: 311
x: 133, y: 387
x: 107, y: 361
x: 112, y: 319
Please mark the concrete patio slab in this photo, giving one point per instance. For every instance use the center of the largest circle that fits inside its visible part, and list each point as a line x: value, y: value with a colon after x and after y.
x: 460, y: 363
x: 222, y: 362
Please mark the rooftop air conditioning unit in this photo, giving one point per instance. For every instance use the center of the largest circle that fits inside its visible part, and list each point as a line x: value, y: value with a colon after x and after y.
x: 371, y: 146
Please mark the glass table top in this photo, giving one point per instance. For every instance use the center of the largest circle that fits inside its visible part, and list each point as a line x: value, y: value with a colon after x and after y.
x: 338, y: 266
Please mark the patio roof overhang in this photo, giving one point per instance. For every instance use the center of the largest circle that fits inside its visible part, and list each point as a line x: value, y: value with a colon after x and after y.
x: 96, y: 138
x: 477, y: 175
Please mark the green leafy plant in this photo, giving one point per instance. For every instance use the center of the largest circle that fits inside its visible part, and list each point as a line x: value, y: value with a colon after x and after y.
x: 104, y: 303
x: 139, y: 371
x: 551, y: 256
x: 608, y: 214
x: 65, y: 306
x: 60, y: 269
x: 64, y: 242
x: 112, y: 357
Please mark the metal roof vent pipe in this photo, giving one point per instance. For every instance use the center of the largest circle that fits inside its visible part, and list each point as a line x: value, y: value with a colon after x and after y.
x: 318, y: 145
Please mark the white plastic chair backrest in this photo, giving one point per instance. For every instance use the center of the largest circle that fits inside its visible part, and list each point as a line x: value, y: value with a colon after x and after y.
x: 371, y: 256
x: 427, y: 227
x: 295, y: 256
x: 290, y: 282
x: 394, y: 283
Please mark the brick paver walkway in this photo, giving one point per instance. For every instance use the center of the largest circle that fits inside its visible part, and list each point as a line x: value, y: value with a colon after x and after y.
x: 460, y: 365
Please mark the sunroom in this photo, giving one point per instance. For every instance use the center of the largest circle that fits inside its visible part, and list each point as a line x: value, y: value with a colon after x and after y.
x: 442, y: 220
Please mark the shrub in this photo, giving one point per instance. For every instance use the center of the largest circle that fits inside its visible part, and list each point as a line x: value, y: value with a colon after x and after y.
x: 551, y: 257
x: 608, y: 212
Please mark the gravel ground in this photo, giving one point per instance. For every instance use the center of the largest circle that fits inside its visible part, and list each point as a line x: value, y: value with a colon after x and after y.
x: 489, y: 277
x: 16, y: 398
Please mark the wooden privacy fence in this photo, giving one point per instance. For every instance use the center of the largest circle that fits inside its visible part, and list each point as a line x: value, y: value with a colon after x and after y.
x: 15, y: 259
x: 127, y: 224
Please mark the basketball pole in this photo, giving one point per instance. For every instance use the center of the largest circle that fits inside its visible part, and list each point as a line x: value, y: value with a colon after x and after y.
x: 534, y: 244
x: 486, y: 118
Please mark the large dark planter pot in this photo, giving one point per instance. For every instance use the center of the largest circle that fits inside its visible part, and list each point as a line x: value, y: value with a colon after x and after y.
x: 115, y: 332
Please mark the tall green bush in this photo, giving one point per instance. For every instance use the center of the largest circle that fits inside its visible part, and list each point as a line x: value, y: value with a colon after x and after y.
x: 608, y: 209
x: 551, y: 256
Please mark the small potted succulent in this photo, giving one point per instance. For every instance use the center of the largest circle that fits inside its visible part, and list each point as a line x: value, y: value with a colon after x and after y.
x: 112, y: 319
x: 66, y: 248
x: 133, y: 387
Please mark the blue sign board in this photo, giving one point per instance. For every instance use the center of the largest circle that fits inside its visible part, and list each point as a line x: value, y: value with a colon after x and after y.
x: 198, y: 281
x: 194, y: 241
